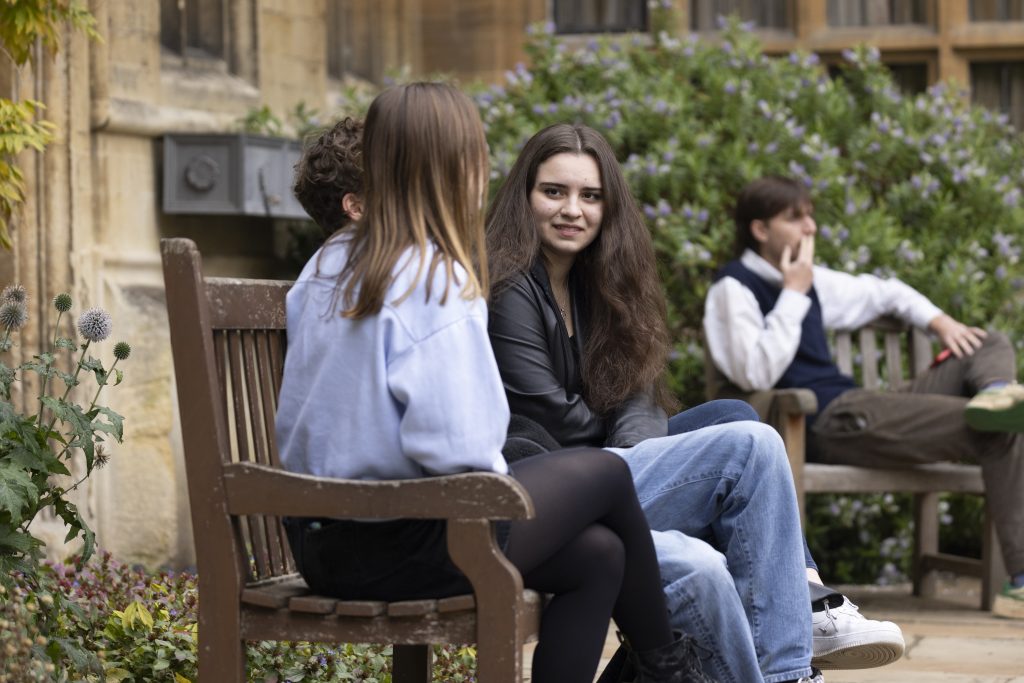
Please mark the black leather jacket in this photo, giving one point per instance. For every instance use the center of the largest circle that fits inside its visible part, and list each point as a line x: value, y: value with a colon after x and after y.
x: 540, y: 367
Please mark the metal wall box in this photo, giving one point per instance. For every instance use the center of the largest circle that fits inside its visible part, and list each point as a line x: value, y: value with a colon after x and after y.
x: 238, y: 174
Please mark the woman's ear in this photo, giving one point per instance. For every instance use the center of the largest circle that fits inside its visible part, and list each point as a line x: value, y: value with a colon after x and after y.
x: 352, y: 204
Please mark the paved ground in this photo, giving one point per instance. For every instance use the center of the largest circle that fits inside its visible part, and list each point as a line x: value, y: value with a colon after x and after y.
x: 948, y: 640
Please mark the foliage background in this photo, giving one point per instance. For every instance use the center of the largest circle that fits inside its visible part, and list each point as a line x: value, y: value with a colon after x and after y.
x: 926, y: 188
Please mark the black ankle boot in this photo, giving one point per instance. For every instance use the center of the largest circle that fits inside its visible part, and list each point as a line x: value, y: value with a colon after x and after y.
x: 676, y: 662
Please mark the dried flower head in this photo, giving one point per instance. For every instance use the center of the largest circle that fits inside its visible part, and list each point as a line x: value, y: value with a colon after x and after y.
x: 95, y: 324
x: 100, y: 456
x: 62, y: 302
x: 15, y: 294
x: 13, y: 315
x: 122, y: 350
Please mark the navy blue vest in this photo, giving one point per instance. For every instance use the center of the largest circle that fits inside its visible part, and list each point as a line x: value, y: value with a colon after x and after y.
x: 812, y: 367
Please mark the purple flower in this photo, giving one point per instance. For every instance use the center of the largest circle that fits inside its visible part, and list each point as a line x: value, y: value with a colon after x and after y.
x: 770, y: 148
x: 651, y: 168
x: 729, y: 88
x: 668, y: 156
x: 650, y: 211
x: 702, y: 215
x: 1000, y: 273
x: 539, y: 109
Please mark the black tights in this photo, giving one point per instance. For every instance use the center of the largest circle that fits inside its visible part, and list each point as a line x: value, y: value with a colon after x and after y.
x: 589, y: 544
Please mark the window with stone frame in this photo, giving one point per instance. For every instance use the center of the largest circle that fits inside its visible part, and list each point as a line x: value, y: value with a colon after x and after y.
x: 911, y: 77
x: 600, y: 16
x: 349, y: 51
x: 877, y: 12
x: 1000, y: 87
x: 195, y: 29
x: 996, y: 10
x: 770, y: 14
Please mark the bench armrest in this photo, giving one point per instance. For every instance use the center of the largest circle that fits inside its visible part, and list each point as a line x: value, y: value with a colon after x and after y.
x: 774, y: 404
x: 253, y: 489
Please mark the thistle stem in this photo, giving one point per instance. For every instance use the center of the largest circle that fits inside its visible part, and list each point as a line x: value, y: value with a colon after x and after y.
x: 102, y: 384
x: 72, y: 383
x: 46, y: 377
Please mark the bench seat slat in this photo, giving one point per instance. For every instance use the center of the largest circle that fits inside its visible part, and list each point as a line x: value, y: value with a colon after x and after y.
x: 412, y: 608
x: 361, y: 608
x: 457, y: 603
x: 274, y: 595
x: 313, y: 604
x: 937, y: 478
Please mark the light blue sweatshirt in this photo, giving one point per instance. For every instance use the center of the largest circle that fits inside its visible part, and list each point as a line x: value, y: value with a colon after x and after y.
x: 412, y: 391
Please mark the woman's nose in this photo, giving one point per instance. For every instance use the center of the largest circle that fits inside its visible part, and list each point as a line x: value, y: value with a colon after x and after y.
x: 571, y: 208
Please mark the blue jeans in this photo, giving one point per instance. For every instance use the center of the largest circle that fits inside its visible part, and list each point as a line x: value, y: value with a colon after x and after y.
x: 722, y: 411
x: 726, y: 527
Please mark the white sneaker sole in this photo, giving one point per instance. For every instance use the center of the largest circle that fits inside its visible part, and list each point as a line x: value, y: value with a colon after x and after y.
x: 866, y: 652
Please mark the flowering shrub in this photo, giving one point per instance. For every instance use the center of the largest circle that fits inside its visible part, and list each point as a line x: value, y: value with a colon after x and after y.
x: 61, y: 438
x: 927, y: 188
x: 102, y: 620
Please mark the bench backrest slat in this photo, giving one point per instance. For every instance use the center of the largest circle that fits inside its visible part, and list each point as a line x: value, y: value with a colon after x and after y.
x: 239, y: 337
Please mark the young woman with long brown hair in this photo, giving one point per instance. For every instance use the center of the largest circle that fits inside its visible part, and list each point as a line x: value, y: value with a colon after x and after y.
x: 389, y: 375
x: 577, y: 323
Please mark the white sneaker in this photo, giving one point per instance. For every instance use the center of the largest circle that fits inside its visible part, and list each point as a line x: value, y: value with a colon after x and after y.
x: 815, y: 677
x: 844, y: 639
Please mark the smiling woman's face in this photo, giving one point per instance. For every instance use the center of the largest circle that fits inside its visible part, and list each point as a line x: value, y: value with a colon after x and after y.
x: 567, y: 205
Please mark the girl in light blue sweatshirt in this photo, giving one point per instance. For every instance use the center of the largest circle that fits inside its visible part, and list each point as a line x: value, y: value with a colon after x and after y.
x: 389, y: 375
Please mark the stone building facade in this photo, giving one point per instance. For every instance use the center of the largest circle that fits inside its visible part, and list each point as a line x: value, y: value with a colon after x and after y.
x: 94, y: 215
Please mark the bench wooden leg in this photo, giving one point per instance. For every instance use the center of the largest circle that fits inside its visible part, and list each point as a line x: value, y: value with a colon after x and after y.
x: 926, y: 542
x: 412, y: 663
x: 993, y: 571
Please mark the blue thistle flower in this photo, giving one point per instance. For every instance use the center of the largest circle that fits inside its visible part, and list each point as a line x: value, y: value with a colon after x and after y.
x: 13, y: 315
x: 62, y: 302
x: 14, y: 294
x: 95, y: 324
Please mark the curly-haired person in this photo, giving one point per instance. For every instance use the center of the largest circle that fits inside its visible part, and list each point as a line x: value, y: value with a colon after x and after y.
x: 329, y: 176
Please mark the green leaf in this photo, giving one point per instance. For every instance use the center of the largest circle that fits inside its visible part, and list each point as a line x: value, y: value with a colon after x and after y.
x: 16, y: 539
x: 116, y: 675
x: 17, y: 491
x: 115, y: 426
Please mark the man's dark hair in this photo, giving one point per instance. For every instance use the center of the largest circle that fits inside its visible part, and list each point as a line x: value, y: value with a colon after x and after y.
x: 763, y: 199
x: 331, y: 167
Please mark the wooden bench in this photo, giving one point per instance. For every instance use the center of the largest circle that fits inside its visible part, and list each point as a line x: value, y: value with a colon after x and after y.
x: 228, y: 342
x: 786, y: 410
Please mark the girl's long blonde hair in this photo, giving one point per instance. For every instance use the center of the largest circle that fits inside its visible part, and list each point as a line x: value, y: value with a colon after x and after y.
x: 425, y: 172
